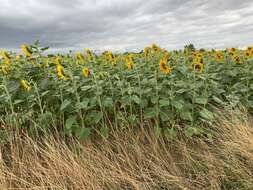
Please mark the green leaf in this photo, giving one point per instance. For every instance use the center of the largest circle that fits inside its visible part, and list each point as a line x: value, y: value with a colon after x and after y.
x: 164, y: 102
x: 70, y: 122
x: 210, y: 137
x: 166, y: 116
x: 201, y: 100
x: 125, y: 100
x: 46, y: 117
x: 17, y: 102
x: 65, y: 104
x: 170, y: 134
x: 108, y: 102
x: 177, y: 104
x: 157, y: 131
x: 95, y: 116
x: 206, y: 114
x: 217, y: 100
x: 104, y: 131
x: 132, y: 119
x: 83, y: 104
x: 136, y: 99
x: 181, y: 91
x: 82, y: 133
x: 190, y: 131
x: 186, y: 115
x: 150, y: 113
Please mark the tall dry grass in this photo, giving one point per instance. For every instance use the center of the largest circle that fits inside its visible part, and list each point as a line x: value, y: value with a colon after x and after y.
x: 134, y: 160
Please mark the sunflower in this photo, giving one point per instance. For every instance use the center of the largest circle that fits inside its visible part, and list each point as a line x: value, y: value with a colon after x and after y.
x: 247, y: 54
x: 129, y: 62
x: 198, y: 67
x: 164, y: 68
x: 60, y: 72
x: 197, y: 54
x: 4, y: 68
x: 18, y: 57
x: 166, y: 55
x: 86, y: 72
x: 250, y: 50
x: 89, y: 54
x: 146, y: 52
x: 237, y: 59
x: 26, y: 50
x: 156, y: 48
x: 6, y: 57
x: 231, y: 51
x: 198, y: 60
x: 57, y: 60
x: 219, y: 56
x: 80, y: 57
x: 25, y: 84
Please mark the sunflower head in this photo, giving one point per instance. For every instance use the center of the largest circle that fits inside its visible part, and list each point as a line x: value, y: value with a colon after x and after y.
x: 25, y: 85
x: 155, y: 48
x: 197, y: 67
x: 57, y: 60
x: 129, y: 64
x: 79, y: 57
x: 237, y: 59
x: 163, y: 66
x: 146, y: 51
x: 247, y: 54
x: 250, y: 51
x: 60, y: 72
x: 166, y: 55
x: 26, y: 50
x: 89, y: 53
x: 86, y: 72
x: 219, y: 56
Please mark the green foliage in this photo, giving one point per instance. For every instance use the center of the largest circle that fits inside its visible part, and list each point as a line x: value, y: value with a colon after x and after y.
x: 113, y: 95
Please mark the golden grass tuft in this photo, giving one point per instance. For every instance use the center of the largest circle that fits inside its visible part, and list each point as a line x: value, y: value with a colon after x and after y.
x: 134, y: 160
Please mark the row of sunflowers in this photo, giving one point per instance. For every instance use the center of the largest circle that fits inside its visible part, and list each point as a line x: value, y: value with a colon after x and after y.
x: 79, y: 93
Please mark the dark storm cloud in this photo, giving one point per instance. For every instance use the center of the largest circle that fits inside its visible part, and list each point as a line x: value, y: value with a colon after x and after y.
x: 126, y: 25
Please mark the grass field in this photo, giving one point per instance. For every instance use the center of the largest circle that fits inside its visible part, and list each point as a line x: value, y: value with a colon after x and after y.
x: 156, y: 119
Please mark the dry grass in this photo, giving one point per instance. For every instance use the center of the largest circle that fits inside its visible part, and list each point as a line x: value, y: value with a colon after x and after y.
x: 134, y: 160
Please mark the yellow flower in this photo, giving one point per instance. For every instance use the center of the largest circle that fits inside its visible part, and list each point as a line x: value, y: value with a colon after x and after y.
x: 89, y: 54
x: 26, y: 50
x: 60, y: 72
x: 156, y: 48
x: 197, y: 55
x: 18, y: 57
x: 219, y: 56
x: 129, y: 65
x: 198, y: 67
x: 166, y: 55
x: 146, y: 52
x: 237, y: 59
x: 57, y: 60
x: 86, y: 72
x: 25, y: 84
x: 198, y: 60
x: 129, y: 62
x: 4, y: 68
x: 250, y: 50
x: 6, y: 57
x: 164, y: 68
x: 80, y: 57
x: 247, y: 53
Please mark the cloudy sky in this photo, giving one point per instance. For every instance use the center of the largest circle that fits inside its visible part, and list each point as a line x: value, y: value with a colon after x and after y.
x: 126, y: 24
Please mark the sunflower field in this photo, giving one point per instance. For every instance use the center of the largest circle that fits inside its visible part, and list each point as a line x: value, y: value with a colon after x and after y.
x: 81, y: 93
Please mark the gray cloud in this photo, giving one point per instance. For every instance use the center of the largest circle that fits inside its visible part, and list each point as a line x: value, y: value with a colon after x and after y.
x: 126, y: 24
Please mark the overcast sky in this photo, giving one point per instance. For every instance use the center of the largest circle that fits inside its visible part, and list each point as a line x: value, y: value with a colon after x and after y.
x: 126, y: 24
